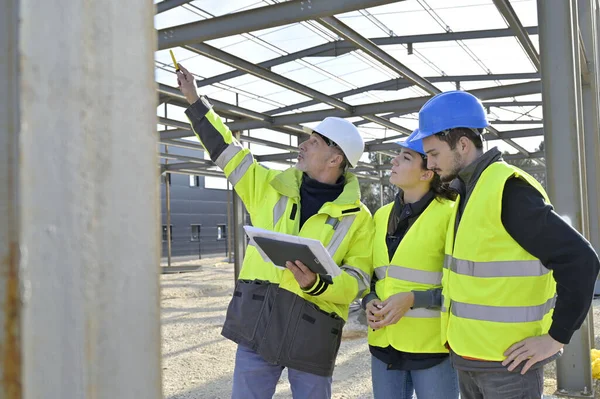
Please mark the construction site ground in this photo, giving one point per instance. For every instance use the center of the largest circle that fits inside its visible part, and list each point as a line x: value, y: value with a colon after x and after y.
x: 198, y: 362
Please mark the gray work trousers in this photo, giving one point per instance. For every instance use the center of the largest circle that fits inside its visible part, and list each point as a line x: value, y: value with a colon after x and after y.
x: 501, y: 385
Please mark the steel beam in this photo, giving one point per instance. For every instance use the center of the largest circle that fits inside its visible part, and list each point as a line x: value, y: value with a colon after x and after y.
x: 516, y: 134
x: 227, y: 109
x: 512, y: 103
x: 239, y: 63
x: 558, y: 26
x: 333, y: 49
x: 182, y: 144
x: 258, y: 18
x: 174, y: 123
x: 400, y: 83
x: 515, y: 24
x: 181, y: 165
x: 538, y: 154
x: 193, y: 171
x: 517, y: 122
x: 166, y: 135
x: 175, y: 134
x: 198, y: 161
x: 397, y: 107
x: 370, y: 48
x: 167, y: 5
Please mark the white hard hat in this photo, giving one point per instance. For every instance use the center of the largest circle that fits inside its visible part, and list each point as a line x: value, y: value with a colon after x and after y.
x: 344, y: 134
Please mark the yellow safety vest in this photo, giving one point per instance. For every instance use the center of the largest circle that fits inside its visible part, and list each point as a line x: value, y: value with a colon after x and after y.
x: 495, y: 292
x: 272, y: 198
x: 416, y: 266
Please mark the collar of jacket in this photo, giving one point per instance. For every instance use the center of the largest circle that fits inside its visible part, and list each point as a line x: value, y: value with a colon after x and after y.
x: 288, y: 183
x: 468, y: 177
x: 414, y: 210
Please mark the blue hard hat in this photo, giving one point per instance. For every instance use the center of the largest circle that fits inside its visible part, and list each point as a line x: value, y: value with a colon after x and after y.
x: 450, y: 110
x: 412, y: 144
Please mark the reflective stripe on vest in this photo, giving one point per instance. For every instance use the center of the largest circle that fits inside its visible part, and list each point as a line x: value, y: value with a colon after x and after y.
x: 423, y: 313
x: 227, y: 155
x: 341, y: 230
x: 518, y: 268
x: 279, y: 209
x: 363, y: 279
x: 407, y: 274
x: 502, y: 314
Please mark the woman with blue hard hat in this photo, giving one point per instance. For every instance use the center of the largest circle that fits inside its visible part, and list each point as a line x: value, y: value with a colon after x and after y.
x: 518, y: 280
x: 403, y: 308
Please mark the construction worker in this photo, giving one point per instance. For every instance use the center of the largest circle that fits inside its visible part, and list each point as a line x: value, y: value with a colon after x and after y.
x: 291, y: 318
x: 403, y: 311
x: 519, y: 280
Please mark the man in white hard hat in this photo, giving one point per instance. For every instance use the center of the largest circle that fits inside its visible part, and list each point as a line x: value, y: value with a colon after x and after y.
x: 291, y: 318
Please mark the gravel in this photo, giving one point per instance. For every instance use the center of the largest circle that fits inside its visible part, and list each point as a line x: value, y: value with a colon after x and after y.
x: 198, y: 362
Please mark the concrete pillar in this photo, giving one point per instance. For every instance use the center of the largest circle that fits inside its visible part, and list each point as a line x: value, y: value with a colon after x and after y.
x: 79, y: 208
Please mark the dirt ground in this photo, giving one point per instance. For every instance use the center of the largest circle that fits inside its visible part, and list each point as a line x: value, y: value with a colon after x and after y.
x: 198, y: 361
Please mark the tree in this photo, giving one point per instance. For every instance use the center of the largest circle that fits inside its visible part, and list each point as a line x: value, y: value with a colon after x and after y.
x: 370, y: 190
x: 528, y: 164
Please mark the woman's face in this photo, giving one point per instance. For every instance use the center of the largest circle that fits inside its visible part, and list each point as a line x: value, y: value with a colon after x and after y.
x: 407, y: 169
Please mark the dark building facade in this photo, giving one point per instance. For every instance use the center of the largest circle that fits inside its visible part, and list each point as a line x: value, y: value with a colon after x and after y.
x: 198, y: 214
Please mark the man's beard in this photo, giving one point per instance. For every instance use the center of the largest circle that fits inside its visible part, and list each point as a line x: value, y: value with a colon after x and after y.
x: 456, y: 167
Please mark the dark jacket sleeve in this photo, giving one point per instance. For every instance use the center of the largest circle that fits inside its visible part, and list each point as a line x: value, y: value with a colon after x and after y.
x: 544, y: 234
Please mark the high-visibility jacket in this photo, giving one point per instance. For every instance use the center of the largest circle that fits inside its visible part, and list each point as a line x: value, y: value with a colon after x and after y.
x: 416, y: 266
x: 495, y: 293
x: 272, y: 198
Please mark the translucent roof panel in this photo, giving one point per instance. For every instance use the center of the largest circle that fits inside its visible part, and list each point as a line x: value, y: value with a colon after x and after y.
x: 175, y: 16
x: 217, y: 8
x: 354, y: 70
x: 402, y: 18
x: 467, y: 14
x: 292, y: 38
x: 526, y: 11
x: 251, y: 51
x: 495, y: 52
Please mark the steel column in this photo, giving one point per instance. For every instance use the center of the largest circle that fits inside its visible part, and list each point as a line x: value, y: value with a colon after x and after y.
x: 558, y: 38
x: 591, y: 106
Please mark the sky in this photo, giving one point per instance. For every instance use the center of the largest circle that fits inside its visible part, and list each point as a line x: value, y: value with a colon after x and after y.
x: 332, y: 75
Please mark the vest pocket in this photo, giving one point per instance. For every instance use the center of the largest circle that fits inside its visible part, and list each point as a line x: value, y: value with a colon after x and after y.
x: 315, y: 340
x: 301, y: 336
x: 249, y: 311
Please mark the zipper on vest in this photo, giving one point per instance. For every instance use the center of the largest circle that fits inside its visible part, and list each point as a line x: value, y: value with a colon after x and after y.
x: 350, y: 210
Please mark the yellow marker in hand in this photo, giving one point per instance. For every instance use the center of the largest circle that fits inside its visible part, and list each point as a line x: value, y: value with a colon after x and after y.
x: 174, y: 61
